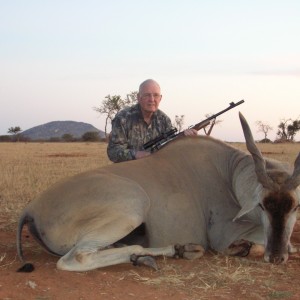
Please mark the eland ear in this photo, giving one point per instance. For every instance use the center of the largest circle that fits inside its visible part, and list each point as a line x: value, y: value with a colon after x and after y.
x: 294, y: 181
x: 248, y: 206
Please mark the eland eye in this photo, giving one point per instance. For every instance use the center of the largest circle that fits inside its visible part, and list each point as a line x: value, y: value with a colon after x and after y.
x: 261, y: 206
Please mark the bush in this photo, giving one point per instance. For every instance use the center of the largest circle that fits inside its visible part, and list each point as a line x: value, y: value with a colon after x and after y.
x: 283, y: 140
x: 5, y: 138
x: 265, y: 141
x: 91, y: 136
x: 68, y: 137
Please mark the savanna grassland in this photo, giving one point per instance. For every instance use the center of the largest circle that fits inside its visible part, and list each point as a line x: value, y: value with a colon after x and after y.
x: 29, y: 168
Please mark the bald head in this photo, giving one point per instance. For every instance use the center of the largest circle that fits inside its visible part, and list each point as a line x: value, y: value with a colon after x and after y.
x: 146, y: 83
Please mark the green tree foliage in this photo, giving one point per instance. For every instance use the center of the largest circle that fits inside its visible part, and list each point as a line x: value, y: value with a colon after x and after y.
x: 287, y: 129
x: 293, y: 128
x: 90, y: 136
x: 111, y: 105
x: 5, y: 138
x: 67, y: 137
x: 15, y: 131
x: 131, y: 98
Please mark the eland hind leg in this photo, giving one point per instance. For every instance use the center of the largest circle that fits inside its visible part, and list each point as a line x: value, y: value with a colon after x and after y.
x: 97, y: 249
x: 84, y: 258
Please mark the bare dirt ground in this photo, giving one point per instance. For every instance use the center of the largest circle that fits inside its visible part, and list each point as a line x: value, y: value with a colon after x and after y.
x: 29, y: 168
x: 211, y: 277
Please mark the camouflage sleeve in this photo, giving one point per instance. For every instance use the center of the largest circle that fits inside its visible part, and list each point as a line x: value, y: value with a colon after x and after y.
x: 117, y: 149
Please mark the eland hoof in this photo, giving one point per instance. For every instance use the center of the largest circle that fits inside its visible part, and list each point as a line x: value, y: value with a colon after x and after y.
x: 143, y: 260
x: 189, y: 251
x: 239, y: 248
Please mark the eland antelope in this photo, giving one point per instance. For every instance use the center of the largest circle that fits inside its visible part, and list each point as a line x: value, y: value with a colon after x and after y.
x: 195, y: 193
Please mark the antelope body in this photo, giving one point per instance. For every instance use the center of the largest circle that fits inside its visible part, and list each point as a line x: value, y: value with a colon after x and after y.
x: 195, y: 193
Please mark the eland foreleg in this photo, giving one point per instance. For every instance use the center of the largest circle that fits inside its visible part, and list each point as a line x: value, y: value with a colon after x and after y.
x: 88, y: 257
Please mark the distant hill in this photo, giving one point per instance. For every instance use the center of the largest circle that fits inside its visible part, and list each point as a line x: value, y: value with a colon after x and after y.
x: 57, y: 129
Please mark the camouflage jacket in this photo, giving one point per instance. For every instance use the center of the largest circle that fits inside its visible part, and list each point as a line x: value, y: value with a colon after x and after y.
x: 130, y: 132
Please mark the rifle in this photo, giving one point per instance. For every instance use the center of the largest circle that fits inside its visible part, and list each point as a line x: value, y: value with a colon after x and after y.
x: 166, y: 137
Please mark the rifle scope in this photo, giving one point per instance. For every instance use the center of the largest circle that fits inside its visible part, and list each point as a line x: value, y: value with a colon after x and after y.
x: 159, y: 138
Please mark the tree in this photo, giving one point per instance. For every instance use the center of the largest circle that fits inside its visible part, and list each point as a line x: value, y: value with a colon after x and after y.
x: 212, y: 123
x: 91, y: 136
x: 67, y: 137
x: 287, y: 129
x: 5, y: 138
x: 264, y: 128
x: 293, y: 128
x: 282, y: 131
x: 179, y: 121
x: 131, y: 98
x: 15, y: 131
x: 111, y: 105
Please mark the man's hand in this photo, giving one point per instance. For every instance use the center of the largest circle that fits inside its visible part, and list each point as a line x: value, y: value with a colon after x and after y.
x: 141, y: 154
x: 190, y: 132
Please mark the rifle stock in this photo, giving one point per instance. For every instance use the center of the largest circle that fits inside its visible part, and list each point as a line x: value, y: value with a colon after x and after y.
x: 197, y: 127
x: 163, y: 139
x: 201, y: 125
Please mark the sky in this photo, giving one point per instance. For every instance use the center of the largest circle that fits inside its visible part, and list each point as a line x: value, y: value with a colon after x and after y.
x: 60, y: 58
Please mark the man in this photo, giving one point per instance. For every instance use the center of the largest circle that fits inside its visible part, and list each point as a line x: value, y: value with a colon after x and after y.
x: 134, y: 126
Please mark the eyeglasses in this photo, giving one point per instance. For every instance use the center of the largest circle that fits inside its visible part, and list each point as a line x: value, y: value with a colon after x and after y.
x: 149, y: 95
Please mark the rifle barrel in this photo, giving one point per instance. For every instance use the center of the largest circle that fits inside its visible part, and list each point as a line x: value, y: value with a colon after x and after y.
x: 158, y: 142
x: 231, y: 105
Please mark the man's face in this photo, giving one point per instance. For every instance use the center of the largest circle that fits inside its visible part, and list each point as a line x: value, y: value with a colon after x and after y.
x: 149, y: 97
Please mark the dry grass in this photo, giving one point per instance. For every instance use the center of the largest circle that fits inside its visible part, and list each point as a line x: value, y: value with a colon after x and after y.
x: 29, y: 168
x: 282, y: 152
x: 218, y: 276
x: 222, y: 272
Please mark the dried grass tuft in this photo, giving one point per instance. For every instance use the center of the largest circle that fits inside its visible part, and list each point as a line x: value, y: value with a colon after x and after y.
x: 27, y: 169
x: 215, y: 274
x: 207, y: 273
